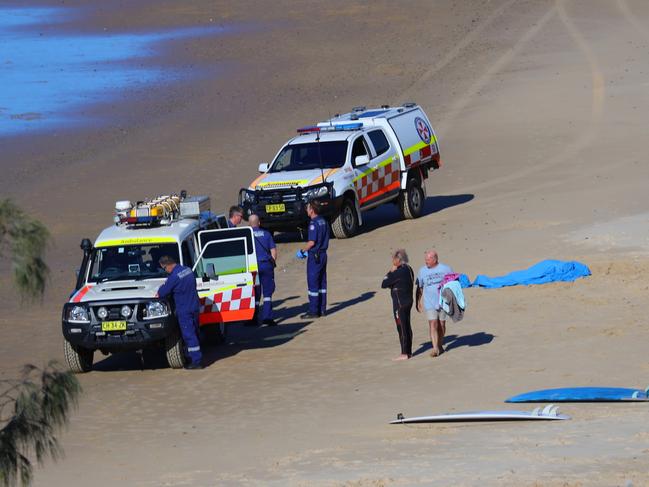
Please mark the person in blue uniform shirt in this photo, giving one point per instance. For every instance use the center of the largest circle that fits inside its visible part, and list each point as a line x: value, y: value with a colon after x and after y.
x: 235, y: 215
x: 181, y: 285
x: 266, y: 258
x: 316, y: 265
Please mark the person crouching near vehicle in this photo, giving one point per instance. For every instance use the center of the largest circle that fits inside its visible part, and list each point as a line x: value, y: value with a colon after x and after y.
x: 400, y: 280
x: 429, y: 281
x: 181, y: 285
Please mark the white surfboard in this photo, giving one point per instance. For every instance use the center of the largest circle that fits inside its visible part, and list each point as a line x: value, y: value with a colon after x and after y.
x: 547, y: 413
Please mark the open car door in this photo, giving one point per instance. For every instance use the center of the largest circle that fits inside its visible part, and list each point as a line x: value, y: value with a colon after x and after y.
x: 224, y: 275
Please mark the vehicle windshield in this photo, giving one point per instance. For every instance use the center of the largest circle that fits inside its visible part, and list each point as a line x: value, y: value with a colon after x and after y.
x: 313, y: 155
x: 130, y: 262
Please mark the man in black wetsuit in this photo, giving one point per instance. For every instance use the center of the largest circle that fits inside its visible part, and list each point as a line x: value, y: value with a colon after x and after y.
x: 400, y: 279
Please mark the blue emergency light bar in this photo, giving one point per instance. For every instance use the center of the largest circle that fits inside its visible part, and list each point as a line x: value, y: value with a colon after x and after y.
x: 331, y: 128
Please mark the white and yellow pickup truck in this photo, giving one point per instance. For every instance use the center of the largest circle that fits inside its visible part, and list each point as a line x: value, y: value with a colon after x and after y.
x: 350, y: 163
x: 115, y: 307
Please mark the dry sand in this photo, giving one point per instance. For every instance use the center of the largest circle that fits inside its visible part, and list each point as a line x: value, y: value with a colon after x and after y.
x: 541, y: 110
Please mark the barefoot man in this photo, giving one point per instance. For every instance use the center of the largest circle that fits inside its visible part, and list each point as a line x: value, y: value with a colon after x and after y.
x: 428, y: 283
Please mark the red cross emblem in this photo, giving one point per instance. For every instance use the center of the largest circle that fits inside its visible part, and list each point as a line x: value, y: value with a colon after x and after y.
x: 422, y: 130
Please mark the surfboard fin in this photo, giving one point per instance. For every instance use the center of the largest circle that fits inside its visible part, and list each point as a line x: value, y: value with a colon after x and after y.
x: 548, y: 410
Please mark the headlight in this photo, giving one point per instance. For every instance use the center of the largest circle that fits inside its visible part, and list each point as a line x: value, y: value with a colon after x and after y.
x: 249, y: 196
x: 102, y: 313
x: 155, y: 309
x: 125, y: 311
x: 78, y: 314
x: 316, y: 193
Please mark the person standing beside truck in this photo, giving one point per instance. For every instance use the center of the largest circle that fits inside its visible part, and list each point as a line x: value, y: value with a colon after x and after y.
x: 181, y: 285
x: 266, y: 259
x: 316, y: 267
x: 235, y: 215
x: 429, y: 282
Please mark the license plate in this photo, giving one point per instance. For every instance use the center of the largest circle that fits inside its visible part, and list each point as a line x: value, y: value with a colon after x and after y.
x: 113, y: 325
x: 280, y: 208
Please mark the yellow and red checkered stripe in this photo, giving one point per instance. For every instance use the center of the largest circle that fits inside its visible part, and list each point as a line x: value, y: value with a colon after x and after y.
x: 378, y: 180
x: 421, y: 153
x: 236, y: 304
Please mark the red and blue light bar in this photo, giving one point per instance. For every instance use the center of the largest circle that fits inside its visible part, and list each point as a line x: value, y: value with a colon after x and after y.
x: 330, y: 128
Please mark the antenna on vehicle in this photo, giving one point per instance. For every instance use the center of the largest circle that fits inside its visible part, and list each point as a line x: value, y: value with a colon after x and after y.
x: 317, y: 139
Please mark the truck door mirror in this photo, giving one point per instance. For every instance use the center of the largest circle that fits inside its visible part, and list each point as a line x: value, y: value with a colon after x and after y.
x: 211, y: 273
x: 361, y: 160
x: 263, y: 167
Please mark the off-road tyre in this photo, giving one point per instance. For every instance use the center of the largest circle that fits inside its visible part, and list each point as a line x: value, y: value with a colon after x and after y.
x: 79, y: 359
x: 411, y: 201
x: 345, y: 225
x: 214, y: 334
x: 175, y: 350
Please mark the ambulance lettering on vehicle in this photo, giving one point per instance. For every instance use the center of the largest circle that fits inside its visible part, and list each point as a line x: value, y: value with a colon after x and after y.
x: 115, y: 305
x: 350, y: 163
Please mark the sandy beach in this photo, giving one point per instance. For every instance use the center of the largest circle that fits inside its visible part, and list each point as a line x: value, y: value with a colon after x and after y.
x: 540, y: 107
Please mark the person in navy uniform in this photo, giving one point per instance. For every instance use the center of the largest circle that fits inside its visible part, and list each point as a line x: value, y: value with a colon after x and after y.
x: 316, y: 265
x: 181, y: 285
x: 266, y: 258
x: 235, y: 215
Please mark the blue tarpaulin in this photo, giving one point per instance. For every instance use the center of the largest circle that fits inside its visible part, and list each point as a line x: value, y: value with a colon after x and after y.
x: 541, y: 273
x: 464, y: 280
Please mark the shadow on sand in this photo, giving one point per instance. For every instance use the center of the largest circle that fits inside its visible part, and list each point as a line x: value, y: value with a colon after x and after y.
x: 456, y: 341
x: 388, y: 213
x: 238, y: 338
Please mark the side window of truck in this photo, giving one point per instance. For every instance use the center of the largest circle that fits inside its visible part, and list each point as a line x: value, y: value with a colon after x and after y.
x: 359, y: 149
x: 381, y: 144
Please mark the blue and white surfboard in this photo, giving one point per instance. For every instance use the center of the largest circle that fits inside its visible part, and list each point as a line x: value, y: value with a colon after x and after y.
x: 549, y: 413
x: 582, y: 394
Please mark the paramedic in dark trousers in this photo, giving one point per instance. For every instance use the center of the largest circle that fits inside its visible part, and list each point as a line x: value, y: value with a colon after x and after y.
x: 235, y: 216
x: 316, y: 264
x: 401, y: 280
x: 181, y: 285
x: 266, y: 257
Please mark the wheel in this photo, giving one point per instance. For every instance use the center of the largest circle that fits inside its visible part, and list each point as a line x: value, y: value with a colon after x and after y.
x: 175, y: 350
x: 214, y: 334
x: 79, y: 359
x: 412, y: 200
x: 345, y: 224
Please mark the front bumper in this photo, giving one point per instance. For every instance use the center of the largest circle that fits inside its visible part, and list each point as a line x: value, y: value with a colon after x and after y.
x: 294, y: 215
x: 139, y: 333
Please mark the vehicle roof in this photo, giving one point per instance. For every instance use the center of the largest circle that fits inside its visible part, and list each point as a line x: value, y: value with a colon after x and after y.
x: 324, y: 136
x: 130, y: 234
x: 367, y: 115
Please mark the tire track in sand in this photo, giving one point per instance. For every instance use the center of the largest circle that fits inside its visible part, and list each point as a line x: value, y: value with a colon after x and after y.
x: 633, y: 19
x: 455, y: 52
x: 585, y: 139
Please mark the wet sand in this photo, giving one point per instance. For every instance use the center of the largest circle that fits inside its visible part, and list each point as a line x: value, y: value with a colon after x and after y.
x: 540, y: 108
